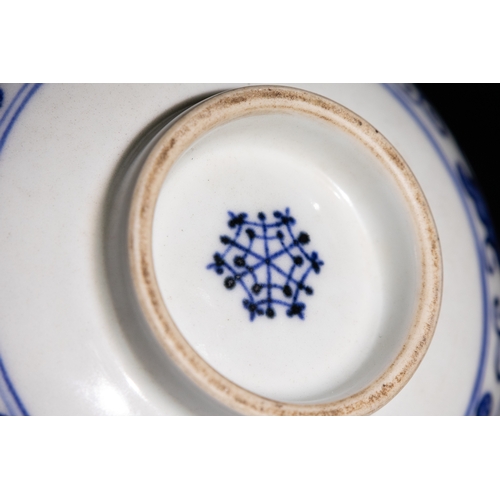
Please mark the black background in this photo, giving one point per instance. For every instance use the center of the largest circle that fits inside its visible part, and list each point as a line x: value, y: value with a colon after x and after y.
x: 471, y: 113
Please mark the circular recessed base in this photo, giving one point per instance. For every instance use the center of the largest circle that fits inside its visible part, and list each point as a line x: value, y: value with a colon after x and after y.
x: 284, y: 255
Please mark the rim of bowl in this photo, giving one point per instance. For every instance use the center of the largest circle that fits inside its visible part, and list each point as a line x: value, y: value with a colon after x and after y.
x: 252, y: 100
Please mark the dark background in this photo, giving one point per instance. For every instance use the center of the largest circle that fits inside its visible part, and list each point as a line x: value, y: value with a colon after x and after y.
x: 471, y: 112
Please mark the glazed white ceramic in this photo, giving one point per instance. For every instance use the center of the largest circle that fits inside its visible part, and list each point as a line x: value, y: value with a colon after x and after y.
x: 70, y: 343
x: 346, y: 346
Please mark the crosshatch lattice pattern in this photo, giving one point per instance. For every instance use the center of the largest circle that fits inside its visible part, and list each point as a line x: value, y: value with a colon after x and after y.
x: 269, y: 262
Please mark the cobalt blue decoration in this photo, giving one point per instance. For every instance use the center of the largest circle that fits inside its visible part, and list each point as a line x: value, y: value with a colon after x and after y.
x: 496, y: 322
x: 268, y: 261
x: 485, y: 406
x: 10, y: 112
x: 486, y: 247
x: 473, y: 191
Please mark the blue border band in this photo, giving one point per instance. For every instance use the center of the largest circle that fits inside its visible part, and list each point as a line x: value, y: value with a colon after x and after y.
x: 482, y: 360
x: 12, y: 400
x: 17, y: 113
x: 402, y: 99
x: 15, y: 396
x: 12, y: 103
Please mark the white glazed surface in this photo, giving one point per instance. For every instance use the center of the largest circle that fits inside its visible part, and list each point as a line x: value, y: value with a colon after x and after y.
x: 60, y: 340
x: 357, y: 221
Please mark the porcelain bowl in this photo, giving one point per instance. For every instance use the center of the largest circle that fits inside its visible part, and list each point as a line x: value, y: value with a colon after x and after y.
x: 223, y: 249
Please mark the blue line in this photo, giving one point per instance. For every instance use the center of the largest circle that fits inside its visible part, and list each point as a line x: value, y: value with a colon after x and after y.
x: 267, y: 261
x: 260, y: 260
x: 480, y: 374
x: 268, y: 237
x: 235, y: 244
x: 238, y: 231
x: 249, y: 248
x: 17, y: 113
x: 286, y: 249
x: 283, y: 273
x: 258, y: 224
x: 25, y: 100
x: 19, y: 92
x: 5, y: 398
x: 275, y: 301
x: 304, y: 253
x: 18, y: 401
x: 240, y: 281
x: 290, y: 274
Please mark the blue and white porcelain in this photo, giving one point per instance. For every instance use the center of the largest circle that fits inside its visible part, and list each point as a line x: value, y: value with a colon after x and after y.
x: 168, y: 249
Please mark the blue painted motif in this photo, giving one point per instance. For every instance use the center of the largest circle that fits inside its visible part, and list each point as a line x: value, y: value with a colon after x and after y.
x: 9, y: 395
x: 490, y: 240
x: 9, y: 117
x: 489, y: 257
x: 269, y: 262
x: 408, y: 96
x: 485, y: 405
x: 16, y: 111
x: 418, y: 99
x: 13, y: 103
x: 496, y: 305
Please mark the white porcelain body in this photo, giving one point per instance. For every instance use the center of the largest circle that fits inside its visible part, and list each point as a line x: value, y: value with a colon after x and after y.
x: 63, y: 349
